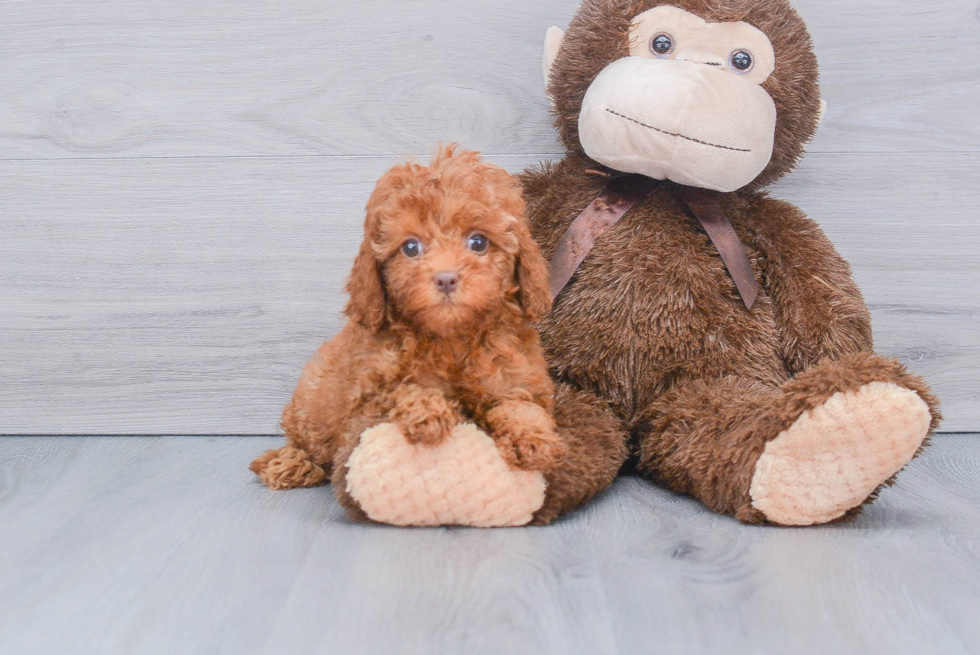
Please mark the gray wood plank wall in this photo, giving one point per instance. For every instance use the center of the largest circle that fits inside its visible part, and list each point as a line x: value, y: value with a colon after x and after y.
x: 182, y: 184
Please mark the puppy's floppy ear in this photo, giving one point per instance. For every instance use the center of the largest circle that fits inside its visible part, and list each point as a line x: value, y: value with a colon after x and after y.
x: 532, y: 276
x: 367, y: 295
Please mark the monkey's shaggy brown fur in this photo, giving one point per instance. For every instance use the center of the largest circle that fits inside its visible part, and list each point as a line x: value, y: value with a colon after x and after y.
x: 652, y: 323
x: 422, y: 358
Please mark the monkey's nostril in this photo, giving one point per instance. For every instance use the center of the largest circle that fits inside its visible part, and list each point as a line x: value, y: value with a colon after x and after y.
x: 446, y: 281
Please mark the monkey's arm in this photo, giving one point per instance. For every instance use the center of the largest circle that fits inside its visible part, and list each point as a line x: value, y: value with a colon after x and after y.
x: 817, y: 305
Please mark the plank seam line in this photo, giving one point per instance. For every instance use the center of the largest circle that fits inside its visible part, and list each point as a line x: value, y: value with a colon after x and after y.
x: 424, y: 155
x: 243, y: 434
x: 135, y: 434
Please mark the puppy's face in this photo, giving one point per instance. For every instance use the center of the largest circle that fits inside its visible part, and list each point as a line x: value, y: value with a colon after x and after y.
x: 448, y: 265
x: 449, y: 246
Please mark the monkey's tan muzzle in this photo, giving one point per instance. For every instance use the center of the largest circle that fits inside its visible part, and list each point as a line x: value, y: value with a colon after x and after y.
x: 697, y: 124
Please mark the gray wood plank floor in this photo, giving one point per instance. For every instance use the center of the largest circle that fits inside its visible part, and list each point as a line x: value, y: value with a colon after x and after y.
x: 183, y: 182
x: 137, y: 545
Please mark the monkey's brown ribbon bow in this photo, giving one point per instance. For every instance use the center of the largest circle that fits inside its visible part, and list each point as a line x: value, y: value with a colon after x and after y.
x: 617, y: 198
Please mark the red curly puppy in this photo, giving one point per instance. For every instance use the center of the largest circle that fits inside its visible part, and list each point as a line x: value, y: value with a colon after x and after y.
x: 441, y: 297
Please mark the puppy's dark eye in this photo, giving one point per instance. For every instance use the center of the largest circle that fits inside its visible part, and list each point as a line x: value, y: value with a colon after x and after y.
x: 742, y: 61
x: 477, y: 243
x: 412, y: 248
x: 662, y: 44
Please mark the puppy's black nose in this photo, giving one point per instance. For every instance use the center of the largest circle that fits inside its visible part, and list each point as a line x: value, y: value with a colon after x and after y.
x: 446, y: 281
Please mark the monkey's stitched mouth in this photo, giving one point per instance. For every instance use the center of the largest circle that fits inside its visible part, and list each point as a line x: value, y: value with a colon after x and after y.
x: 679, y: 136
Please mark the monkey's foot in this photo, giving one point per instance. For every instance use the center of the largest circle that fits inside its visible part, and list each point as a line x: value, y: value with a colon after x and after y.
x: 837, y: 454
x: 461, y: 481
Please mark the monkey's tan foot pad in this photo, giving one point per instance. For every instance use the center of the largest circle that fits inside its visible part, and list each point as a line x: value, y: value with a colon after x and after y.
x: 462, y: 481
x: 835, y: 455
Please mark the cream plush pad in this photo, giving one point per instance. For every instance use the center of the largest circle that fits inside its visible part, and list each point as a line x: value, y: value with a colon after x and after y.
x: 463, y: 481
x: 833, y: 456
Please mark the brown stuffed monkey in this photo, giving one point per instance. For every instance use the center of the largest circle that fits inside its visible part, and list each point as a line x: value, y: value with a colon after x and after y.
x: 716, y: 330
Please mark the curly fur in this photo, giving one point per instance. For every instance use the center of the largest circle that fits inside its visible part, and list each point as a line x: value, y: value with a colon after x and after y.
x: 417, y: 356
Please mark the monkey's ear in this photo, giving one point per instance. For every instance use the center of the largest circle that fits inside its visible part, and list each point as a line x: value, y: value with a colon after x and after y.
x: 532, y: 276
x: 552, y: 42
x: 367, y: 296
x: 823, y: 111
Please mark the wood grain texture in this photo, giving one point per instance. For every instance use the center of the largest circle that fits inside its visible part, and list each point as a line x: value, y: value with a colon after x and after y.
x: 183, y: 296
x: 254, y: 77
x: 182, y: 184
x: 136, y: 546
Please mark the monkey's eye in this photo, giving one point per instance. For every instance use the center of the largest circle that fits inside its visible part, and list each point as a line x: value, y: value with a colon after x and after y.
x: 412, y: 248
x: 742, y: 61
x: 477, y: 242
x: 662, y: 44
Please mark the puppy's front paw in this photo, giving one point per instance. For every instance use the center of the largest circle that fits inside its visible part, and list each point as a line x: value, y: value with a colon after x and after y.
x: 525, y: 434
x: 424, y: 416
x: 429, y: 430
x: 531, y: 450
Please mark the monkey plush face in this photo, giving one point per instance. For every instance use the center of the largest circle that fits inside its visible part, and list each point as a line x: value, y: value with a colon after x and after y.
x: 717, y: 94
x: 686, y: 104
